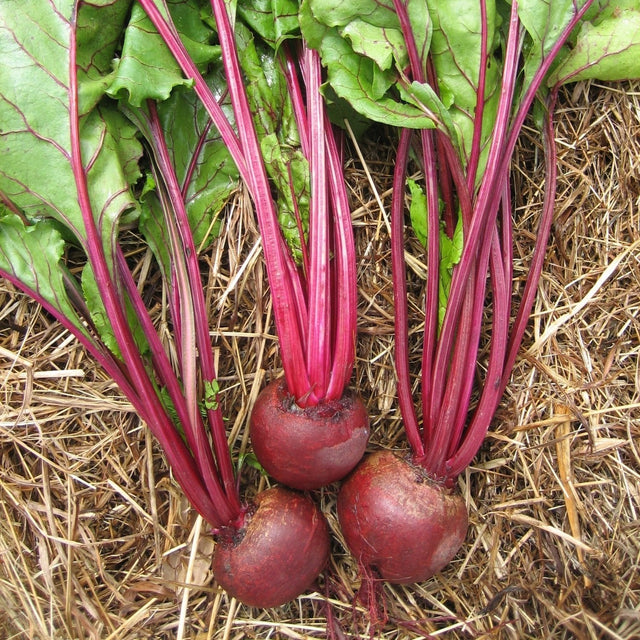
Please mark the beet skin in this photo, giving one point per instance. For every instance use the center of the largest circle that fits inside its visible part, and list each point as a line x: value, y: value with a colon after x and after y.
x: 398, y: 521
x: 277, y: 554
x: 311, y: 447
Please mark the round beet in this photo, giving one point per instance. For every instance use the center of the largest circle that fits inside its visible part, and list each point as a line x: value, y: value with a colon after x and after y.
x: 398, y: 521
x: 311, y: 447
x: 277, y: 554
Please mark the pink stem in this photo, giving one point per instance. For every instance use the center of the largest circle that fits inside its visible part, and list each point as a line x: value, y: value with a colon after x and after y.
x: 282, y: 289
x: 179, y: 458
x: 401, y: 321
x: 193, y: 295
x: 542, y: 239
x: 318, y: 330
x: 346, y: 296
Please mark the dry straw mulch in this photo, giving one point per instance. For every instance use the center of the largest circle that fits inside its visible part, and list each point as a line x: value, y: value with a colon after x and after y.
x: 97, y: 542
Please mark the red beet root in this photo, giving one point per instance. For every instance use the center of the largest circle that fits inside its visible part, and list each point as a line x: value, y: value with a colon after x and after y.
x: 277, y: 555
x: 398, y: 521
x: 311, y: 447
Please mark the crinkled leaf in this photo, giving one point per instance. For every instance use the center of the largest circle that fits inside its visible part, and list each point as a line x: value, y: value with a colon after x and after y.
x: 381, y: 45
x: 356, y: 77
x: 339, y: 13
x: 204, y: 168
x: 606, y: 49
x: 146, y: 68
x: 360, y: 81
x: 32, y: 255
x: 266, y: 88
x: 289, y: 171
x: 100, y: 25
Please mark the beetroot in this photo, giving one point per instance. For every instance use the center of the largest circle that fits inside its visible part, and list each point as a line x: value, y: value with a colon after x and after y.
x: 398, y: 521
x: 277, y: 554
x: 308, y: 448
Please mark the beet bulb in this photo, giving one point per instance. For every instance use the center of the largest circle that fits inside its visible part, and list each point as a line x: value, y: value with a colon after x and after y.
x: 311, y: 447
x: 398, y: 521
x: 277, y: 554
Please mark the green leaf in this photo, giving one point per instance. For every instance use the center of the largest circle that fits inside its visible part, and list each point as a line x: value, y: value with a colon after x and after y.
x: 456, y: 46
x: 36, y: 152
x: 99, y: 315
x: 604, y: 10
x: 251, y: 460
x: 606, y: 49
x: 421, y: 26
x: 34, y: 112
x: 339, y: 13
x: 103, y: 322
x: 450, y: 248
x: 153, y: 228
x: 381, y: 45
x: 456, y: 50
x: 418, y: 211
x: 289, y: 171
x: 111, y: 151
x: 100, y: 26
x: 32, y: 254
x: 201, y: 159
x: 272, y: 20
x: 425, y: 98
x: 167, y: 403
x: 266, y: 88
x: 211, y: 391
x: 360, y: 81
x: 146, y: 68
x: 275, y: 122
x: 450, y: 254
x: 544, y: 20
x: 34, y: 82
